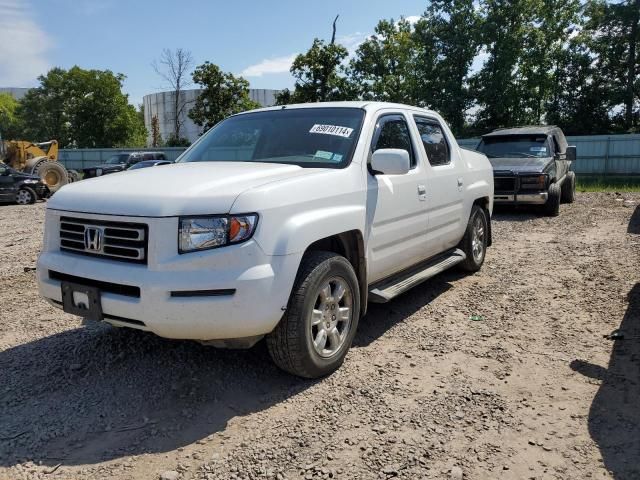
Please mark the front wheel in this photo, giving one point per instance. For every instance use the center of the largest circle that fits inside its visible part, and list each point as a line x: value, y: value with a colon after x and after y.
x: 314, y: 335
x: 568, y: 194
x: 475, y: 240
x: 552, y: 207
x: 26, y: 196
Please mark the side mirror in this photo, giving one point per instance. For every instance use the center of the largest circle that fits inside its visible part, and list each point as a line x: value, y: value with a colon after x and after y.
x: 571, y: 153
x: 391, y: 161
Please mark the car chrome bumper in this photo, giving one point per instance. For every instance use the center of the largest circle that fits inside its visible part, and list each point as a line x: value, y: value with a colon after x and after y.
x: 537, y: 198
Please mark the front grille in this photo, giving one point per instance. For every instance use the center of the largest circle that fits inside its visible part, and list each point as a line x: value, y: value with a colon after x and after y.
x: 504, y: 184
x: 122, y: 241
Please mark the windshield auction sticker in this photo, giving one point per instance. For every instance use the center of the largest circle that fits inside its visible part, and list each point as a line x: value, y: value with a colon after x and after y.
x: 332, y: 130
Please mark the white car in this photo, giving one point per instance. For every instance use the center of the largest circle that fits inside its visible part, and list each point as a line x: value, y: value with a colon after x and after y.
x: 281, y: 222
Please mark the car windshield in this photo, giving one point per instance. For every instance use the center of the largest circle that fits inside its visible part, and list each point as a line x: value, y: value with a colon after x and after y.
x: 525, y: 146
x: 308, y: 137
x: 117, y: 159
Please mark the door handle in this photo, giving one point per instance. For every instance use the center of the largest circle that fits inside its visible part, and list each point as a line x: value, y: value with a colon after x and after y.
x: 422, y: 193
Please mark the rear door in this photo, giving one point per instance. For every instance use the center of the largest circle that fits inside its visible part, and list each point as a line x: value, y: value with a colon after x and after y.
x: 445, y: 184
x: 397, y: 203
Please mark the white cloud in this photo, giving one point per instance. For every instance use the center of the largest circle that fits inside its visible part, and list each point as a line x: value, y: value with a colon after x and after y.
x: 413, y: 19
x: 269, y: 66
x: 479, y: 61
x: 23, y: 45
x: 352, y: 41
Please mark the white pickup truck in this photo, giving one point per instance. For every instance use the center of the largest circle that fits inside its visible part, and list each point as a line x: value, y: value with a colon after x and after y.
x: 281, y: 222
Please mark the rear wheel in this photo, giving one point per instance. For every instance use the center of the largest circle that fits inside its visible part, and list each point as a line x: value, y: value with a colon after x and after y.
x: 73, y: 176
x: 315, y: 334
x: 569, y: 188
x: 552, y: 207
x: 26, y: 196
x: 474, y: 242
x: 52, y: 173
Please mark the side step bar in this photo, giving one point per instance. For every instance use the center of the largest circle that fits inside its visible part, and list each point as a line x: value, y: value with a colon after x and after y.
x: 389, y: 288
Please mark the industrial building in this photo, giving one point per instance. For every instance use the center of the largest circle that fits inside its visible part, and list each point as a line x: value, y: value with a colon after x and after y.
x: 162, y: 105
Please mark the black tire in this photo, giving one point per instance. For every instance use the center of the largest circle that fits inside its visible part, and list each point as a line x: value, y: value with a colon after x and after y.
x: 53, y: 174
x: 73, y: 176
x: 290, y: 344
x: 552, y: 207
x: 473, y: 263
x: 569, y: 188
x: 26, y: 196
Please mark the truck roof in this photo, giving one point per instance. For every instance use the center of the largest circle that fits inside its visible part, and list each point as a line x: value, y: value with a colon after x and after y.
x: 365, y: 105
x: 528, y: 130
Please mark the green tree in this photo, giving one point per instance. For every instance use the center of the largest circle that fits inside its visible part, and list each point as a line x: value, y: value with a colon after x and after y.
x: 578, y: 99
x: 448, y: 40
x: 547, y: 30
x: 497, y: 85
x: 317, y: 74
x: 81, y: 108
x: 223, y: 94
x: 156, y: 137
x: 612, y: 34
x: 385, y: 67
x: 10, y: 127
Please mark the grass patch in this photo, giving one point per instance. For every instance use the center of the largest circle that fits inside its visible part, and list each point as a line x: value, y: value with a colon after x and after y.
x: 608, y: 184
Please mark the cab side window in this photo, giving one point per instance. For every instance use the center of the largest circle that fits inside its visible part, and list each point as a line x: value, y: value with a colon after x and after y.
x: 434, y: 141
x: 392, y: 131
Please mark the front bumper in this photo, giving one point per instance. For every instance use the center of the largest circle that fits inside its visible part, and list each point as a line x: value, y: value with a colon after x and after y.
x: 537, y: 198
x: 251, y: 288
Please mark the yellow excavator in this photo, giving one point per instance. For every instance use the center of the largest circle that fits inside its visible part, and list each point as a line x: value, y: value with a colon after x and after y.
x: 38, y: 159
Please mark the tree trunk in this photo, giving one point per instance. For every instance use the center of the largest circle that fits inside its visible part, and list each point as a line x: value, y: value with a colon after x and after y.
x: 176, y: 119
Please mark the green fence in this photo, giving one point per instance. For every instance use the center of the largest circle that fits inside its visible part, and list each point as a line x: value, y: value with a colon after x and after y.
x: 598, y: 155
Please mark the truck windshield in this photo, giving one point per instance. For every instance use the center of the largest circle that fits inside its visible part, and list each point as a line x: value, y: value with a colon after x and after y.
x: 308, y: 137
x: 525, y: 146
x: 117, y: 159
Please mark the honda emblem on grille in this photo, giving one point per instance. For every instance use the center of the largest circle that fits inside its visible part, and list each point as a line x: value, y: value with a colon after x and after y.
x: 92, y: 239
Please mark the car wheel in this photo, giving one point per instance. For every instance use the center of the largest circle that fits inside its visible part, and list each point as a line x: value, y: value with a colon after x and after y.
x: 53, y: 174
x: 315, y: 333
x: 569, y: 188
x: 26, y: 196
x: 552, y: 207
x: 475, y: 240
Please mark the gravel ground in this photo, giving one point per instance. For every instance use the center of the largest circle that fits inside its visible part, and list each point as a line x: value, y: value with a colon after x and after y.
x: 534, y: 390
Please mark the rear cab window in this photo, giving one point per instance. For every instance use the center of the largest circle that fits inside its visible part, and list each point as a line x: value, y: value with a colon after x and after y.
x: 433, y: 140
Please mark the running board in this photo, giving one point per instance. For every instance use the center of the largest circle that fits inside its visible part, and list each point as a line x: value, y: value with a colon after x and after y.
x: 386, y: 290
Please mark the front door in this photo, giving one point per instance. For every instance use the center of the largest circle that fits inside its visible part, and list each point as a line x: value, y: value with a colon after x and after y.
x: 7, y: 184
x: 445, y: 186
x: 396, y: 204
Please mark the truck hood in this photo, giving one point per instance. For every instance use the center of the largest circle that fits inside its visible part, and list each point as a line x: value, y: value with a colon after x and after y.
x: 107, y: 166
x: 198, y: 188
x: 520, y: 165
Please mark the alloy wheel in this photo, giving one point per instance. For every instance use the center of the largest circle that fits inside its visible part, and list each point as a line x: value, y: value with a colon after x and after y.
x: 331, y: 317
x: 23, y: 197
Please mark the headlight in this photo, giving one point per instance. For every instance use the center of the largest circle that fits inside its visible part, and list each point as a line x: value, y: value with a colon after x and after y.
x: 203, y: 233
x: 98, y: 172
x: 30, y: 180
x: 533, y: 182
